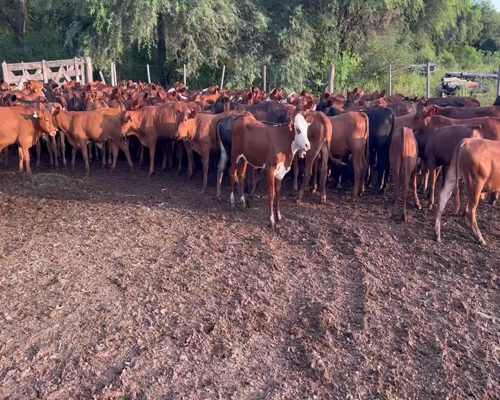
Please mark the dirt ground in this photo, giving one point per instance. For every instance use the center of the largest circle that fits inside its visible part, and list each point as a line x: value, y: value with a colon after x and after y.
x: 123, y: 287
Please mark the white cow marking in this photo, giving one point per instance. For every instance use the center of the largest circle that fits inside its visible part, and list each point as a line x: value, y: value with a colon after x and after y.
x: 280, y: 171
x: 231, y: 197
x: 243, y: 156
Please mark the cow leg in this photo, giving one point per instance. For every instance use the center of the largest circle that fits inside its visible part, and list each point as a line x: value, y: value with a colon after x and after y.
x: 170, y: 154
x: 110, y: 148
x: 413, y: 179
x: 115, y: 148
x: 232, y: 179
x: 307, y: 175
x: 397, y: 189
x: 278, y: 198
x: 26, y: 154
x: 85, y: 155
x: 103, y: 153
x: 180, y: 154
x: 371, y: 166
x: 189, y: 152
x: 205, y: 159
x: 38, y: 147
x: 152, y: 149
x: 62, y: 138
x: 324, y: 172
x: 359, y: 168
x: 315, y: 174
x: 444, y: 196
x: 494, y: 198
x: 73, y: 159
x: 386, y: 166
x: 123, y: 146
x: 141, y: 155
x: 89, y: 150
x: 52, y: 146
x: 220, y: 170
x: 295, y: 173
x: 473, y: 195
x: 164, y: 159
x: 242, y: 168
x: 432, y: 179
x: 406, y: 188
x: 270, y: 188
x: 21, y: 159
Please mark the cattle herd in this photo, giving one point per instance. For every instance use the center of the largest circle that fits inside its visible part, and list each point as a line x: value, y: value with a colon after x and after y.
x: 268, y: 133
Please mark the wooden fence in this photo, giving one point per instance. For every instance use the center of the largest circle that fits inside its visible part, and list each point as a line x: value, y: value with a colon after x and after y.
x: 78, y: 68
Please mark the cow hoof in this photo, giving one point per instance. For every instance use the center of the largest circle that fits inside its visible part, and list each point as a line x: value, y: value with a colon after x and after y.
x: 438, y: 238
x: 323, y: 200
x: 404, y: 218
x: 418, y: 206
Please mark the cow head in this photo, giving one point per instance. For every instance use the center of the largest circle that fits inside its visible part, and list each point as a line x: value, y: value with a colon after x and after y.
x: 43, y: 118
x: 300, y: 142
x: 127, y: 123
x: 185, y: 126
x: 422, y: 117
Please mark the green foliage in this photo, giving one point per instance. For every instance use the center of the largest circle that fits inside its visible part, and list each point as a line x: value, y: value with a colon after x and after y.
x: 296, y: 40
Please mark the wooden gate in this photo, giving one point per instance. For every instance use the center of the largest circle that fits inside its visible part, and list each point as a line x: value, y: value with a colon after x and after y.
x: 78, y: 68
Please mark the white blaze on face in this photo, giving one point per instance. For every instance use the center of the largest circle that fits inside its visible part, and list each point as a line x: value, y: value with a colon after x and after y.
x: 301, y: 142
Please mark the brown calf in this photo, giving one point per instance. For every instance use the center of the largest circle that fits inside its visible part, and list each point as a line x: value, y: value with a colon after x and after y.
x: 476, y: 162
x: 200, y: 130
x: 23, y: 125
x: 350, y: 135
x: 151, y: 124
x: 270, y: 147
x: 403, y: 156
x: 440, y: 147
x: 81, y: 127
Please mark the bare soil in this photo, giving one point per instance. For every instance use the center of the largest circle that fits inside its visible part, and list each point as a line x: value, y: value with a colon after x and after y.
x: 123, y: 287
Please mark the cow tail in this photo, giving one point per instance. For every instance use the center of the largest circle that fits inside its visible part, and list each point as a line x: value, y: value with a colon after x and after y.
x: 367, y: 145
x: 328, y: 132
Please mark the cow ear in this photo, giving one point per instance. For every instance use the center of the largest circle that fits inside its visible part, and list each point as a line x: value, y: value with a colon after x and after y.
x: 192, y: 114
x: 146, y: 95
x: 355, y: 91
x: 310, y: 104
x: 136, y: 103
x: 14, y: 98
x: 327, y: 95
x: 358, y: 97
x: 250, y: 95
x: 303, y: 93
x: 432, y: 111
x: 382, y: 94
x: 309, y: 120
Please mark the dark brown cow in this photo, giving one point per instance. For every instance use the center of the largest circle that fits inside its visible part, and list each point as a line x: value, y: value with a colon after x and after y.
x: 23, y: 125
x: 440, y: 147
x: 477, y: 163
x: 350, y: 135
x: 80, y: 127
x: 271, y: 147
x: 201, y: 131
x: 402, y: 108
x: 468, y: 112
x: 465, y: 101
x: 403, y: 155
x: 151, y: 124
x: 320, y: 136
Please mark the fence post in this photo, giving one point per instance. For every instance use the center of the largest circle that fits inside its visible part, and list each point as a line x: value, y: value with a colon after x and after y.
x: 149, y: 76
x: 90, y: 75
x: 265, y: 80
x: 428, y: 80
x: 390, y: 79
x: 498, y: 81
x: 222, y: 80
x: 44, y: 72
x: 116, y: 75
x: 102, y: 77
x: 76, y: 70
x: 5, y: 73
x: 185, y: 75
x: 331, y: 79
x: 113, y: 77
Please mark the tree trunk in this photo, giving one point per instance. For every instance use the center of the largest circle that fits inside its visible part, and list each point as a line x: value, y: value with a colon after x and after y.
x: 162, y: 50
x: 20, y: 23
